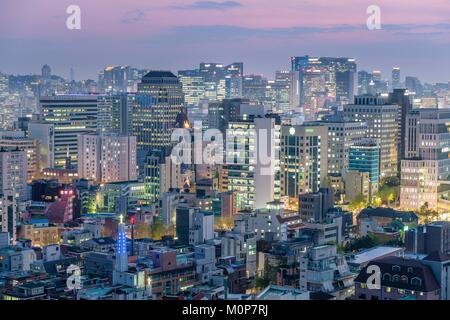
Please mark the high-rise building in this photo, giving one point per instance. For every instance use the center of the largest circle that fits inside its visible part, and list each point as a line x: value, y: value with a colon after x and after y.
x: 254, y: 88
x: 324, y: 79
x: 290, y: 79
x: 365, y: 83
x: 316, y: 85
x: 425, y: 171
x: 222, y: 81
x: 44, y: 133
x: 159, y: 109
x: 364, y: 157
x: 281, y: 93
x: 382, y: 127
x: 401, y: 98
x: 17, y: 140
x: 193, y: 86
x: 213, y: 72
x: 396, y: 79
x: 46, y: 72
x: 114, y: 79
x: 107, y: 157
x: 9, y: 213
x: 303, y: 159
x: 252, y: 160
x: 4, y: 87
x: 414, y: 86
x: 221, y: 113
x: 342, y: 134
x: 13, y: 172
x: 376, y: 75
x: 161, y: 174
x: 64, y: 118
x: 115, y: 113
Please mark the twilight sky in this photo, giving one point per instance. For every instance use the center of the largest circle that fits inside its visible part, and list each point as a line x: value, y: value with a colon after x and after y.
x: 179, y: 34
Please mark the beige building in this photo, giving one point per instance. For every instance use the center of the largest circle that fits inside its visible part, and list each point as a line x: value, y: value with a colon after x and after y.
x: 13, y: 172
x: 40, y: 234
x: 17, y: 140
x: 425, y: 173
x: 107, y: 157
x: 357, y: 183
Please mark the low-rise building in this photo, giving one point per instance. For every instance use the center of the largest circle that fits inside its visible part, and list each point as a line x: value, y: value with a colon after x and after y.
x: 399, y: 278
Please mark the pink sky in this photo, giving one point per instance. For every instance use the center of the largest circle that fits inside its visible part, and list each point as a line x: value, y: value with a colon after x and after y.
x: 151, y: 33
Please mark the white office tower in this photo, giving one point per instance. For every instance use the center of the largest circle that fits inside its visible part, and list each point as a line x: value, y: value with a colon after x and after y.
x: 252, y: 159
x: 303, y: 160
x: 107, y: 157
x: 64, y: 117
x: 382, y: 127
x: 342, y: 135
x: 13, y: 172
x: 267, y: 168
x: 17, y: 140
x: 425, y: 171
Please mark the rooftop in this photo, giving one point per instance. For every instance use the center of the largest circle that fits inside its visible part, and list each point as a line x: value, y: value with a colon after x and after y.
x: 160, y: 74
x: 281, y: 292
x: 387, y: 212
x: 373, y: 253
x: 405, y: 270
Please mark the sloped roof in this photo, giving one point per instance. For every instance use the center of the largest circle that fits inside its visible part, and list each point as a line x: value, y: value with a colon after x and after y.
x: 160, y: 74
x: 388, y: 213
x: 410, y: 268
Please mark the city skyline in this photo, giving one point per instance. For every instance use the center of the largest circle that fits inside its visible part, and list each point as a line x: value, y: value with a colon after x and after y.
x: 226, y: 151
x: 177, y: 35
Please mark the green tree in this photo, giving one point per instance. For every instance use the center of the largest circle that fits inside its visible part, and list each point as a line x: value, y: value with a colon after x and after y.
x: 368, y: 241
x: 157, y: 230
x: 91, y: 205
x: 358, y: 203
x: 389, y: 190
x: 426, y: 214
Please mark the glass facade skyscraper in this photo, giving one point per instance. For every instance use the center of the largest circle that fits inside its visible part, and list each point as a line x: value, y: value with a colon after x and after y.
x: 365, y: 157
x: 159, y: 109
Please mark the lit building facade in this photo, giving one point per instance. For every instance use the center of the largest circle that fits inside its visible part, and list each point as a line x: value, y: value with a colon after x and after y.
x: 364, y: 157
x: 107, y: 157
x: 17, y: 140
x: 158, y: 110
x: 303, y: 159
x: 252, y: 169
x: 425, y: 171
x: 70, y: 116
x: 115, y: 113
x: 13, y: 172
x: 382, y: 127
